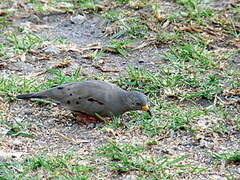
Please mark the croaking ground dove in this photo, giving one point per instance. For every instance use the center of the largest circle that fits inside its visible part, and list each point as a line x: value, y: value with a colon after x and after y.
x: 93, y: 97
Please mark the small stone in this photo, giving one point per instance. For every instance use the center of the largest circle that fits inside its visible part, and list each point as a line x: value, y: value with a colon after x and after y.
x: 91, y: 126
x: 79, y: 19
x: 22, y: 66
x: 10, y: 155
x: 27, y: 112
x: 18, y: 119
x: 17, y: 142
x: 34, y: 19
x: 3, y: 131
x: 217, y: 177
x: 66, y: 24
x: 203, y: 143
x: 51, y: 49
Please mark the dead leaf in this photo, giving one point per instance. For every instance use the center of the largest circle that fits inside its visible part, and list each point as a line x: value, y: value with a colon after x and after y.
x: 136, y: 4
x: 70, y: 48
x: 152, y: 28
x: 37, y: 26
x: 65, y: 63
x: 100, y: 7
x: 231, y: 92
x: 64, y: 5
x: 235, y: 42
x: 111, y: 50
x: 22, y: 57
x: 159, y: 17
x: 94, y: 44
x: 140, y: 46
x: 190, y: 29
x: 64, y: 137
x: 91, y: 55
x: 111, y: 131
x: 44, y: 57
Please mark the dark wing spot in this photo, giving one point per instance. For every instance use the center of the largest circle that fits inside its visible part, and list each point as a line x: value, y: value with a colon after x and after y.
x: 68, y: 102
x: 77, y: 102
x: 79, y: 98
x: 91, y: 99
x: 60, y: 87
x: 70, y: 94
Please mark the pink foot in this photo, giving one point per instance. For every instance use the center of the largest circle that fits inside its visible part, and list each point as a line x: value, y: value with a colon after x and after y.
x: 87, y: 119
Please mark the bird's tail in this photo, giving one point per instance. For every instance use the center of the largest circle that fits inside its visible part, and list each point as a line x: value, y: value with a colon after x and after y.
x: 31, y: 95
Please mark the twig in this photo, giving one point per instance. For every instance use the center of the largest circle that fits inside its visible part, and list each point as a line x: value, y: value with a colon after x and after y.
x: 97, y: 66
x: 63, y: 136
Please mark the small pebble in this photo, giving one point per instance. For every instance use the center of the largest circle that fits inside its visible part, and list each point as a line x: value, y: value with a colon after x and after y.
x: 51, y: 49
x: 34, y: 19
x: 17, y: 142
x: 91, y: 126
x: 79, y: 19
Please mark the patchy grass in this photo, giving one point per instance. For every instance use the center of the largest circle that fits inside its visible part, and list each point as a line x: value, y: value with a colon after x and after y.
x: 13, y: 85
x: 23, y: 44
x: 193, y: 88
x: 227, y: 157
x: 126, y: 158
x: 17, y: 129
x: 60, y: 166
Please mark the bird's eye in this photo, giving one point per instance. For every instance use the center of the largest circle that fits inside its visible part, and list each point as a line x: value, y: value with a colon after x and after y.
x: 138, y: 104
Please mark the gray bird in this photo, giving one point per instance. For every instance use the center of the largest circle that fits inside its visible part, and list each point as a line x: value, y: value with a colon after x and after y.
x: 93, y: 97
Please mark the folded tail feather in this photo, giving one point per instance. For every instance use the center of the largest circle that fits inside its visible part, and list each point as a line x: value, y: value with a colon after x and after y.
x: 29, y: 96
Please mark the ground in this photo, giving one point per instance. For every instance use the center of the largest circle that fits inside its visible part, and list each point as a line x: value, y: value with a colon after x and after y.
x: 184, y: 55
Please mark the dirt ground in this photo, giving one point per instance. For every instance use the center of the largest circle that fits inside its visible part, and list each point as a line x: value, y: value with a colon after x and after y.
x: 55, y: 129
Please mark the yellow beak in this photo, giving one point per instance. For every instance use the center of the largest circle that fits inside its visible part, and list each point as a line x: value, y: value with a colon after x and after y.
x: 145, y: 108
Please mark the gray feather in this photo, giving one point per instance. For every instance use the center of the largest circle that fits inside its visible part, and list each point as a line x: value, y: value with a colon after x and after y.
x: 91, y: 97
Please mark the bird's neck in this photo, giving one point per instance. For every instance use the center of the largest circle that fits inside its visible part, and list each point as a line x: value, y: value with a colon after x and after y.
x: 124, y: 97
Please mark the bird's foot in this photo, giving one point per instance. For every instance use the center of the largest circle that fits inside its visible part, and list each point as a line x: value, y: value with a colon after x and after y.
x: 87, y: 119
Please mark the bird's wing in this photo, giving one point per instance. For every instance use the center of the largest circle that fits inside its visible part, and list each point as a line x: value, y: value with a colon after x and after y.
x: 89, y: 96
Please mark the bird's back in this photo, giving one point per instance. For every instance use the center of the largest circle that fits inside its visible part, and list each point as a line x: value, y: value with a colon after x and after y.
x: 89, y: 96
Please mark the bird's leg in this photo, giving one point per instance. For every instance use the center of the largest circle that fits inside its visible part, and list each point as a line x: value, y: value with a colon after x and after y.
x: 87, y: 119
x: 104, y: 119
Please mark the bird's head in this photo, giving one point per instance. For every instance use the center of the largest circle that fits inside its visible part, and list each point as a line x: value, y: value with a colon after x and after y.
x: 137, y: 101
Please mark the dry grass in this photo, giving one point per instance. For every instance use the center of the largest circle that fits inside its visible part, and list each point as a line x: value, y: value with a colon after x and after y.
x: 184, y: 55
